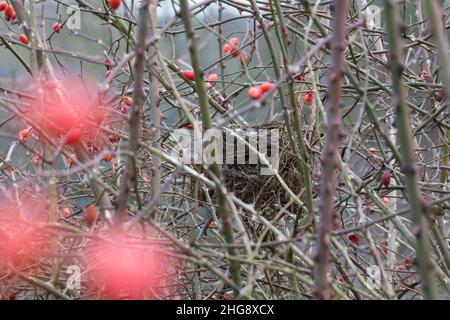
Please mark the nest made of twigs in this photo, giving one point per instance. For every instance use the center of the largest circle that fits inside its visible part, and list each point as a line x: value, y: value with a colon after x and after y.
x: 265, y: 192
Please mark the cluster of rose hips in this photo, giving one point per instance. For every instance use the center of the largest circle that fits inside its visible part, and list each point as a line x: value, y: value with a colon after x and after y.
x: 232, y: 48
x: 254, y: 92
x: 190, y: 75
x: 73, y: 135
x: 128, y: 101
x: 257, y: 92
x: 24, y: 38
x: 61, y: 123
x: 10, y: 13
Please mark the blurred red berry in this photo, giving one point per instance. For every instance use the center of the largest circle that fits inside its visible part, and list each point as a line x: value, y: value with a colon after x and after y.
x: 385, y: 200
x: 213, y: 77
x: 113, y: 138
x: 233, y: 41
x: 56, y: 27
x: 10, y: 13
x: 128, y: 101
x: 107, y: 63
x: 267, y: 86
x: 66, y: 212
x: 99, y: 116
x: 124, y: 272
x: 354, y: 238
x: 189, y: 74
x: 309, y: 97
x: 386, y: 178
x: 3, y: 5
x: 235, y: 53
x: 373, y: 151
x: 108, y: 157
x: 300, y: 77
x: 231, y: 47
x: 407, y: 262
x: 24, y: 39
x: 227, y: 48
x: 212, y: 224
x: 91, y: 214
x: 383, y: 243
x: 255, y: 93
x: 24, y: 134
x: 211, y: 80
x: 114, y: 4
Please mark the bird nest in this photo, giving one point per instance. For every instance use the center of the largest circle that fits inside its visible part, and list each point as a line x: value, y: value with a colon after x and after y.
x: 247, y: 180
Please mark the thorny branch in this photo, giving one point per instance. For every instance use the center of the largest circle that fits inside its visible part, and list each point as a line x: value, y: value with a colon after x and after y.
x: 92, y: 172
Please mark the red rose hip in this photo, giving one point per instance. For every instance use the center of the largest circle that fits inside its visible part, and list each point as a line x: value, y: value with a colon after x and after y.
x: 56, y: 27
x: 189, y: 74
x: 114, y: 4
x: 267, y: 86
x: 255, y: 93
x: 24, y: 39
x: 309, y: 97
x: 10, y: 13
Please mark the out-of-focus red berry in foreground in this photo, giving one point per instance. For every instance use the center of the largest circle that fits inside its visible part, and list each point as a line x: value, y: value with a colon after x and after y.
x: 73, y: 136
x: 125, y: 271
x: 21, y: 242
x: 64, y: 110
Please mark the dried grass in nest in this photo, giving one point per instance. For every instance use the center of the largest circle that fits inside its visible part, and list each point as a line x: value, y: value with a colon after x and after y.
x: 264, y: 191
